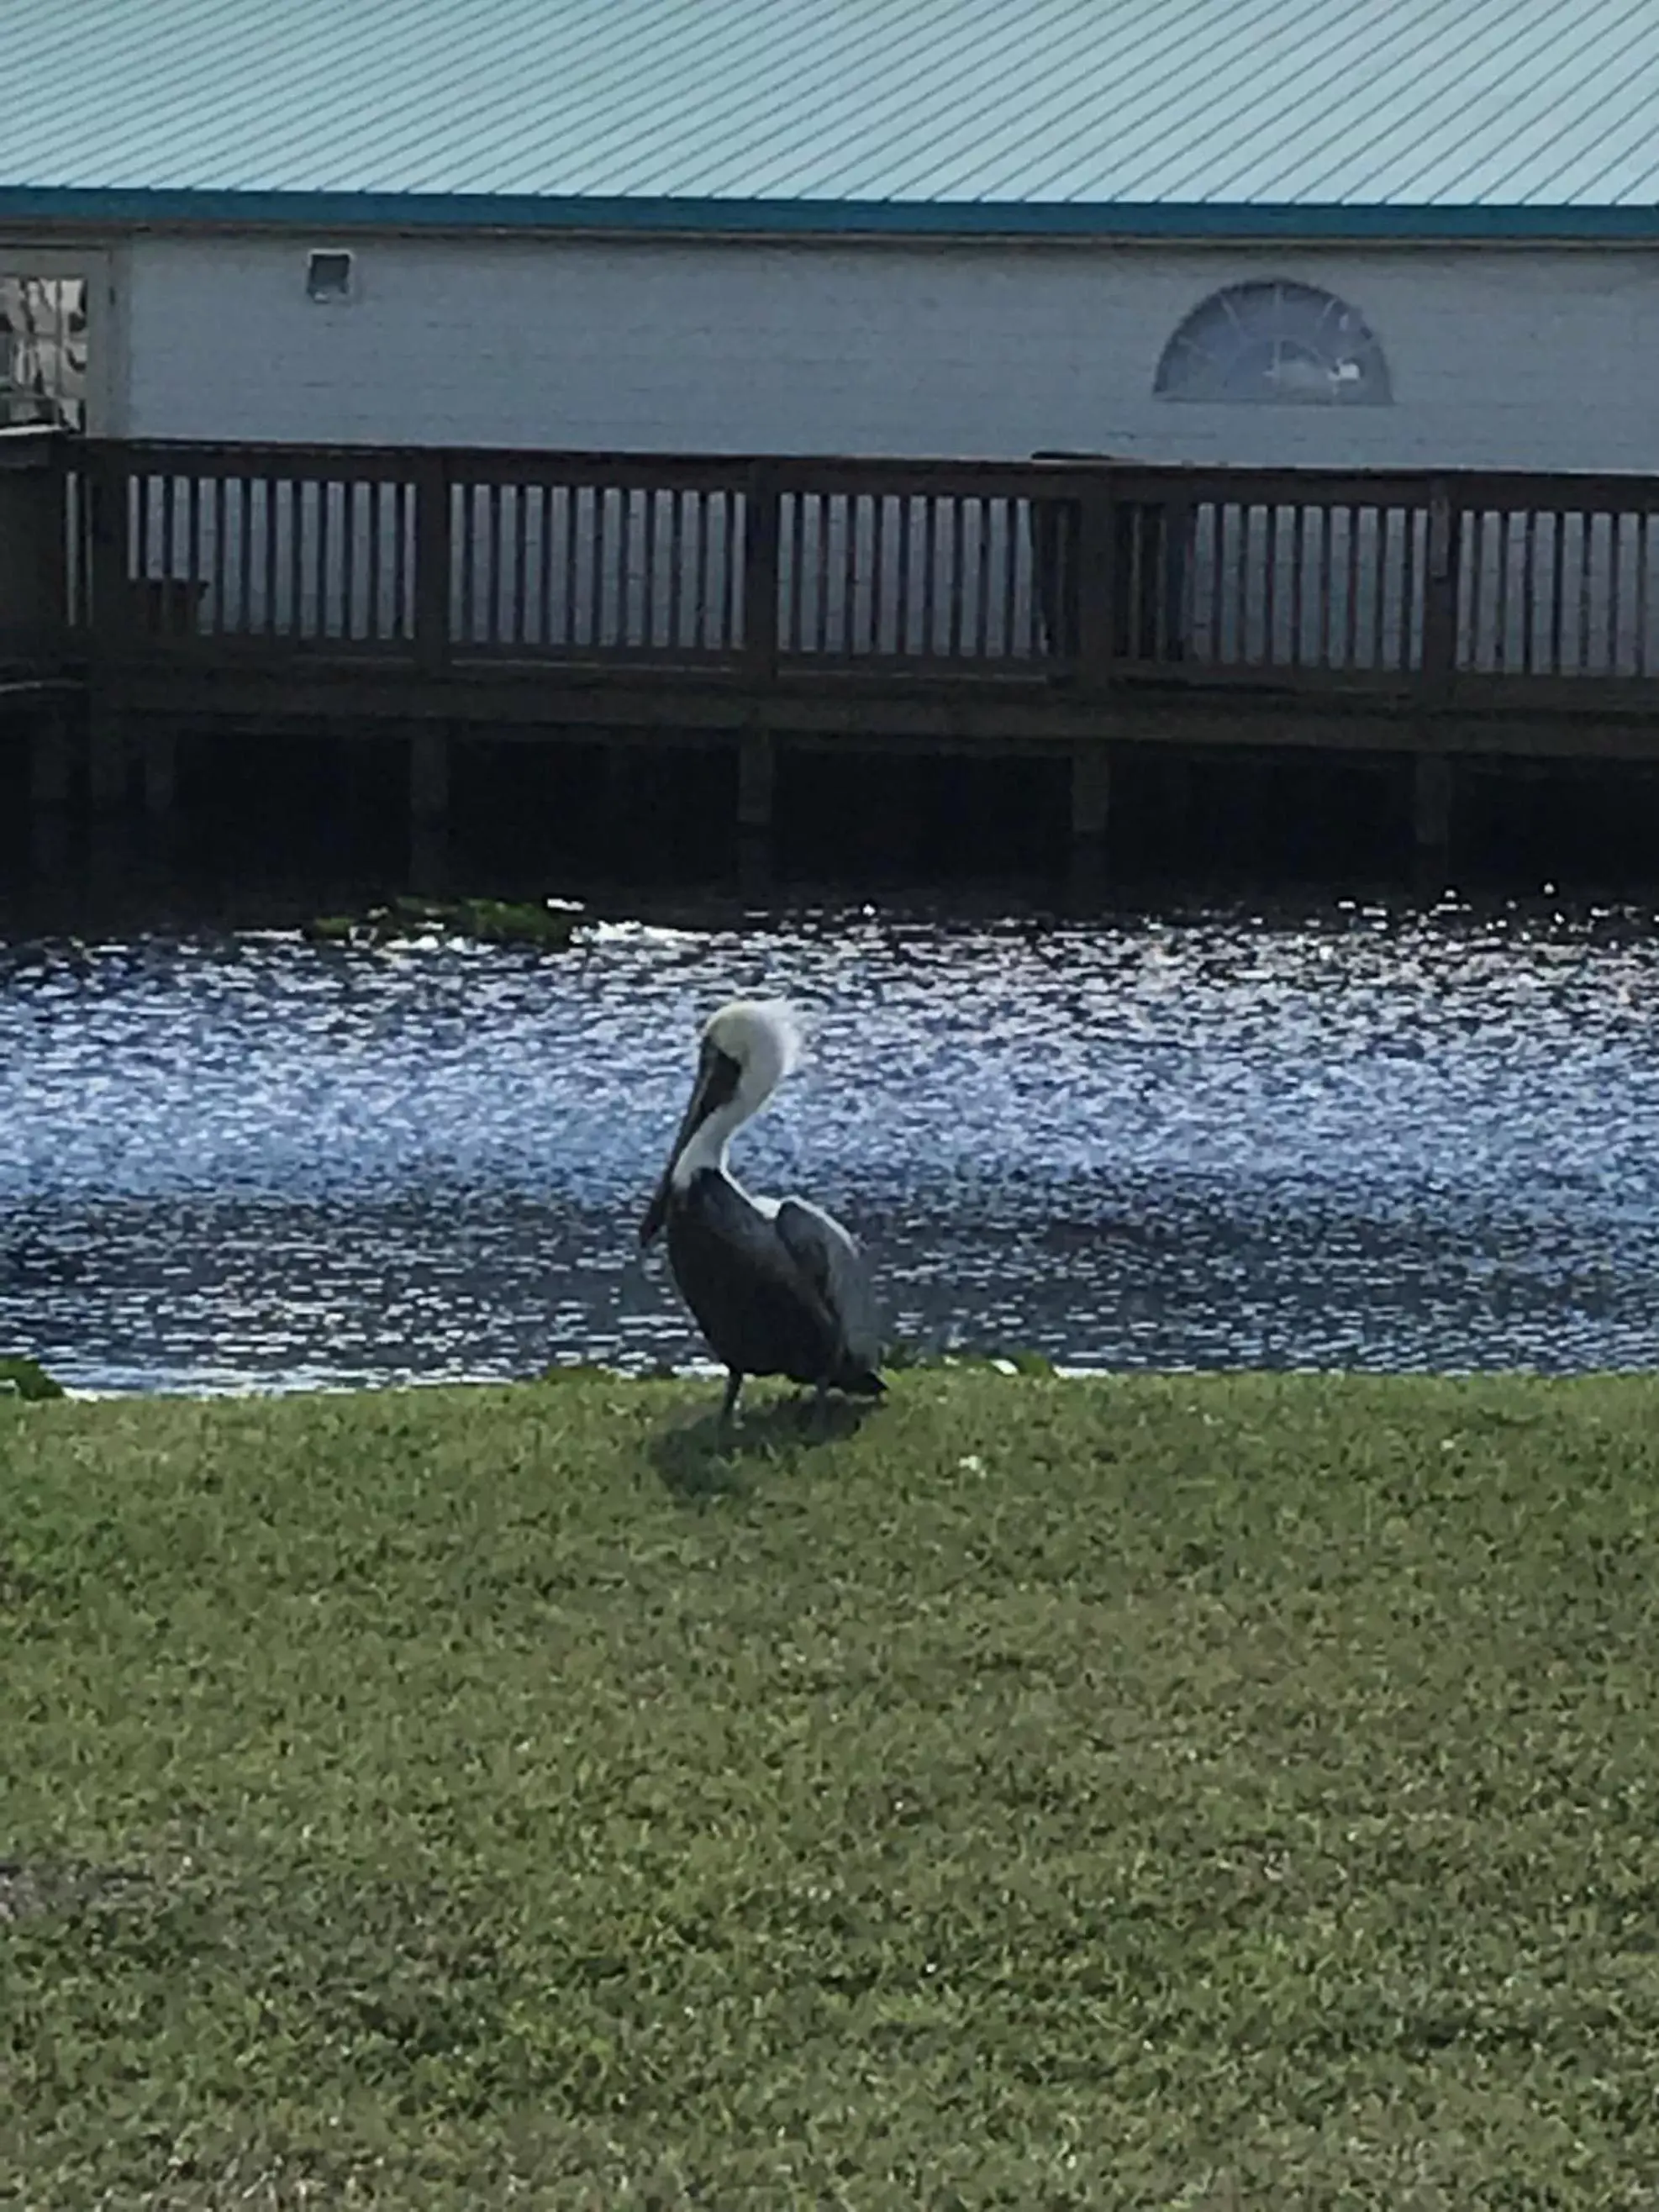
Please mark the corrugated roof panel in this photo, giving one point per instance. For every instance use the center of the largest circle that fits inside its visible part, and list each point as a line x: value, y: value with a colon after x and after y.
x: 926, y: 103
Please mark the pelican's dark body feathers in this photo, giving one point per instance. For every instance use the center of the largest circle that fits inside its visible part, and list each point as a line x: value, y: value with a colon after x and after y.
x: 773, y: 1294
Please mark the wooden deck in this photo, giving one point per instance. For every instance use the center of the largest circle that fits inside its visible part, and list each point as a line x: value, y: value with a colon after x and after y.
x: 1065, y: 602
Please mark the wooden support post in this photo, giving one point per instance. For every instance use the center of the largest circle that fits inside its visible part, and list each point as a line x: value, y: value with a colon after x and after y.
x: 109, y: 760
x: 161, y: 776
x: 757, y: 784
x: 1178, y: 804
x: 429, y: 808
x: 1431, y: 818
x: 49, y: 764
x: 618, y: 798
x: 755, y: 779
x: 428, y: 773
x: 49, y: 789
x: 1091, y: 798
x: 1091, y: 792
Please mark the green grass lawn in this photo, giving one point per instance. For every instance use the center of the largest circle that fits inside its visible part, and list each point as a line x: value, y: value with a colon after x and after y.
x: 1155, y: 1793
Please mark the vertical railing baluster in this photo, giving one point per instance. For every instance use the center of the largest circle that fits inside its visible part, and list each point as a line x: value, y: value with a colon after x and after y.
x: 1011, y: 514
x: 903, y: 582
x: 244, y: 555
x: 734, y: 509
x: 929, y: 574
x: 706, y: 630
x: 543, y: 565
x: 373, y: 581
x: 825, y: 507
x: 270, y: 536
x: 957, y: 573
x: 796, y: 634
x: 674, y: 516
x: 1410, y: 556
x: 572, y: 495
x: 519, y: 624
x: 464, y: 498
x: 852, y: 508
x: 647, y: 513
x: 983, y: 573
x: 192, y: 579
x: 1219, y: 524
x: 343, y: 507
x: 296, y: 548
x: 1615, y: 565
x: 1270, y: 584
x: 1586, y: 568
x: 1385, y: 537
x: 494, y: 552
x: 157, y: 607
x: 320, y: 594
x: 1643, y: 529
x: 627, y: 511
x: 403, y: 563
x: 217, y: 558
x: 878, y: 571
x: 1440, y: 593
x: 1298, y: 572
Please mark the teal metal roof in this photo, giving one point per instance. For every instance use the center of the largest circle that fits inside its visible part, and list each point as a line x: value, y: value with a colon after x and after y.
x: 1378, y: 116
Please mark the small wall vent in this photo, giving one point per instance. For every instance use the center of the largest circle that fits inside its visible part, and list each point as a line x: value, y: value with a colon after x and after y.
x: 328, y: 276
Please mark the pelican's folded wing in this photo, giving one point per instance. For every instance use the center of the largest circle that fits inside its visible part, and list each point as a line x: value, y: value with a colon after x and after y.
x: 833, y: 1264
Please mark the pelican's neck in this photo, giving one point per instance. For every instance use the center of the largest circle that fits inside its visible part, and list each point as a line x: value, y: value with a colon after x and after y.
x: 706, y: 1147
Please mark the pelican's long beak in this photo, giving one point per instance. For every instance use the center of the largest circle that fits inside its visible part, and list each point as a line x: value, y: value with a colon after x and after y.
x: 716, y: 1080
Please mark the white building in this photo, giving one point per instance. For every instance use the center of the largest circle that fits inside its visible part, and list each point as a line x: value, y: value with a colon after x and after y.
x: 1391, y: 233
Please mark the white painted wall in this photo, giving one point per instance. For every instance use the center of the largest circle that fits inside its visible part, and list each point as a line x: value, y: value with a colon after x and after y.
x: 1531, y: 359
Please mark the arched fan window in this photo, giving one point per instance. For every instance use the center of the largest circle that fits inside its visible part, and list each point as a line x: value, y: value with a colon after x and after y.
x: 1285, y: 344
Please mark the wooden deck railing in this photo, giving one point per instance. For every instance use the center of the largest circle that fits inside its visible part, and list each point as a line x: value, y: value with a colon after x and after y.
x: 1464, y: 588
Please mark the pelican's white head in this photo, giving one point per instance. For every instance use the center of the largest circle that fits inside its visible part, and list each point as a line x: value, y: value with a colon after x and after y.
x: 747, y: 1050
x: 761, y: 1037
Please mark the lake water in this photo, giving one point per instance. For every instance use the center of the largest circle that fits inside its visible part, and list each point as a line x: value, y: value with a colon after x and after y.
x: 1355, y: 1139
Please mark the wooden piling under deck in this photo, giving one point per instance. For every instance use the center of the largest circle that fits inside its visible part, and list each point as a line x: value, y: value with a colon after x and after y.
x: 1090, y: 811
x: 1432, y: 817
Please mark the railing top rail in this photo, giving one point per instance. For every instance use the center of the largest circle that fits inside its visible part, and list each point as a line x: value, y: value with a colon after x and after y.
x: 1043, y: 477
x: 30, y: 445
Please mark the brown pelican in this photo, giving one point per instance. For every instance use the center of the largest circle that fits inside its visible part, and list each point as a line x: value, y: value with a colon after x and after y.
x: 776, y: 1285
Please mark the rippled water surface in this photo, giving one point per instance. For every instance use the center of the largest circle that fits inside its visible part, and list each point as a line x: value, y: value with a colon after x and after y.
x: 1360, y: 1141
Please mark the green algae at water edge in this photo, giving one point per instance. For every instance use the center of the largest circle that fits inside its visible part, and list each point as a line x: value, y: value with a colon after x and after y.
x: 548, y: 925
x: 26, y: 1378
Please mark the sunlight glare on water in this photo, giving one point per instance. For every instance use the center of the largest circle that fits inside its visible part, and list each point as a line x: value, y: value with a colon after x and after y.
x: 1357, y: 1141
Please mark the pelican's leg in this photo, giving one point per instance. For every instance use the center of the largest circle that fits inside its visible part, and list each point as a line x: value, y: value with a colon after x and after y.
x: 733, y: 1384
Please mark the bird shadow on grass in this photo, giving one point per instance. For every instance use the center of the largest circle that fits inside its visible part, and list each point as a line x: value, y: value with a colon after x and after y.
x: 700, y: 1460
